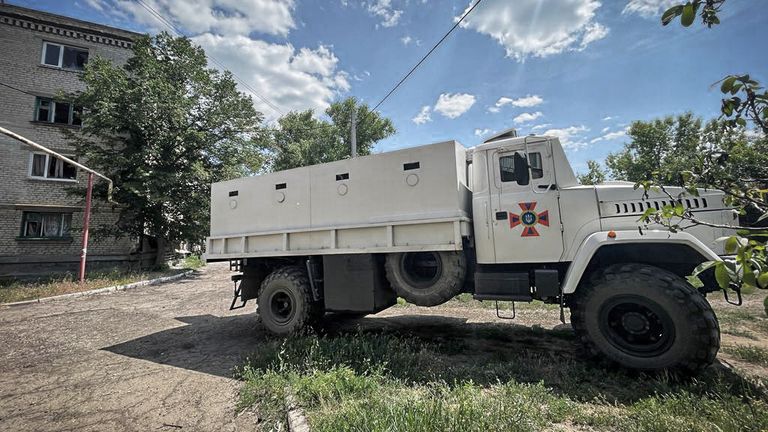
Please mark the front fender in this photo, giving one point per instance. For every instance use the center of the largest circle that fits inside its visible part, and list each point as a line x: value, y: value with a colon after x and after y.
x: 592, y: 243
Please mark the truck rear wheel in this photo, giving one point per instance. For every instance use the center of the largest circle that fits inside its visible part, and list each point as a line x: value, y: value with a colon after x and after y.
x: 426, y: 278
x: 643, y: 317
x: 285, y: 301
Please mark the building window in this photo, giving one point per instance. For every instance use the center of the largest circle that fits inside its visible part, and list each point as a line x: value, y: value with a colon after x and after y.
x: 65, y: 57
x: 50, y: 111
x: 43, y: 165
x: 45, y: 225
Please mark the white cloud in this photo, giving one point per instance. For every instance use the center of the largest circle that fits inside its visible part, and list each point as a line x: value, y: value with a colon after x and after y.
x: 541, y: 126
x: 384, y: 10
x: 226, y: 17
x: 606, y: 129
x: 610, y: 135
x: 292, y: 79
x: 536, y: 28
x: 423, y: 116
x: 593, y: 32
x: 454, y: 105
x: 648, y: 8
x: 407, y: 40
x: 570, y: 137
x: 527, y: 117
x: 482, y: 132
x: 523, y: 102
x: 607, y: 118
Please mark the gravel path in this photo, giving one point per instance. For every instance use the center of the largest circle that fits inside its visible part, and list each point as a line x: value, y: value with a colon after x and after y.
x: 153, y: 358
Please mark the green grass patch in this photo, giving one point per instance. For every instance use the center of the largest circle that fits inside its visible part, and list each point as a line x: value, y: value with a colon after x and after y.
x: 740, y: 333
x: 749, y: 353
x: 13, y: 291
x: 482, y: 377
x: 192, y: 262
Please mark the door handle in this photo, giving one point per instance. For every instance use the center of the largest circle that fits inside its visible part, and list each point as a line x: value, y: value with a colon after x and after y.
x: 548, y: 187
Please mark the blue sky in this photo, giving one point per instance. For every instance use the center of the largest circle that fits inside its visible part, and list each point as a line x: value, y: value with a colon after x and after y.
x: 578, y: 69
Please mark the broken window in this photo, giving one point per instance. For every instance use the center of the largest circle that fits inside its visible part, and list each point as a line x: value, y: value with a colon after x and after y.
x: 43, y: 165
x: 65, y: 57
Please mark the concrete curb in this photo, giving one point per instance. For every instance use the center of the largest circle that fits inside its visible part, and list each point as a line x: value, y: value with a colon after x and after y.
x: 297, y: 422
x: 105, y: 290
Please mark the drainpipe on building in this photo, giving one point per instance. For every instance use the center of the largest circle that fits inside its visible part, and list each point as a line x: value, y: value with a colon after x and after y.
x: 88, y: 193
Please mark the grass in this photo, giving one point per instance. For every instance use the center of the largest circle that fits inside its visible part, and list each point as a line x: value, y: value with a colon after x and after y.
x: 749, y: 353
x: 13, y: 290
x: 482, y: 377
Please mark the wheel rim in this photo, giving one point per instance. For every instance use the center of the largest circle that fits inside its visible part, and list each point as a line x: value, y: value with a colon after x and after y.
x: 421, y: 269
x: 637, y: 326
x: 282, y: 306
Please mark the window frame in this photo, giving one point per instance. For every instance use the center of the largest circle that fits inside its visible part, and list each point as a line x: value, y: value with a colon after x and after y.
x: 528, y: 159
x: 46, y: 168
x: 60, y: 63
x: 61, y: 234
x: 52, y: 112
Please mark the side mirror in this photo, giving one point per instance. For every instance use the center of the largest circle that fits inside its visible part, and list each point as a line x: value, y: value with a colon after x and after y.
x: 522, y: 176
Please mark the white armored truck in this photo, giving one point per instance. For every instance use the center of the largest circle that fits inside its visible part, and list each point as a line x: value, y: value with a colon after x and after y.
x: 506, y: 220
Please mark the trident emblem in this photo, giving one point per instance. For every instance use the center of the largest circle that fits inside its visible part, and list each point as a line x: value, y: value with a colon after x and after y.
x: 529, y: 218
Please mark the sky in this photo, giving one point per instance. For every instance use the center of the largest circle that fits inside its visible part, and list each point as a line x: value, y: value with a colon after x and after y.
x: 581, y: 70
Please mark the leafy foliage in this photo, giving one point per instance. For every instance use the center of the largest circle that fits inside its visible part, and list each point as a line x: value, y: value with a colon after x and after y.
x: 302, y: 139
x: 746, y: 190
x: 164, y: 127
x: 594, y: 175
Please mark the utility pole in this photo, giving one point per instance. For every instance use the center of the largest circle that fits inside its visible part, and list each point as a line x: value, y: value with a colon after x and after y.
x: 353, y: 131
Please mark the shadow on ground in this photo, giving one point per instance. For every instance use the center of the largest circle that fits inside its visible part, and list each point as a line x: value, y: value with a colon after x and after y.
x: 485, y: 353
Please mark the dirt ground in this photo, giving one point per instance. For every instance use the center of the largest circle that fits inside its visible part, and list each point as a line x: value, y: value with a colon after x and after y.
x: 162, y: 357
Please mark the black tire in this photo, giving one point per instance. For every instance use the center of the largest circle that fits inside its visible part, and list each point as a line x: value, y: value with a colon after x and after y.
x: 646, y: 318
x: 426, y: 278
x: 285, y: 301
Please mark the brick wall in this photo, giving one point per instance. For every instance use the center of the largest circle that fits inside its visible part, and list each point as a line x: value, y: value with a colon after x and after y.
x: 22, y: 33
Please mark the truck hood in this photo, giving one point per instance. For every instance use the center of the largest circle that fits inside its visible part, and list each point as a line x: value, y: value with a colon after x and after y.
x: 622, y: 199
x: 621, y: 205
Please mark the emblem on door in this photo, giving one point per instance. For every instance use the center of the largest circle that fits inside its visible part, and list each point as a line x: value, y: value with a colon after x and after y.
x: 529, y: 219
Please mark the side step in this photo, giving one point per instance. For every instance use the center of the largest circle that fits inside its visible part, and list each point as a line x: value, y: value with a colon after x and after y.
x: 238, y: 294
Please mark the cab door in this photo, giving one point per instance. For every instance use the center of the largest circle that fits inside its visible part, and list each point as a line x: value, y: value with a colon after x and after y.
x: 526, y: 222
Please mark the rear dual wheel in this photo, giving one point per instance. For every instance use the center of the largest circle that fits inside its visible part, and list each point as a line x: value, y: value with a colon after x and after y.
x: 643, y: 317
x: 285, y: 301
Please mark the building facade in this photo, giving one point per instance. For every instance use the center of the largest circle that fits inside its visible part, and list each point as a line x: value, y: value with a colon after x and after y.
x: 42, y: 57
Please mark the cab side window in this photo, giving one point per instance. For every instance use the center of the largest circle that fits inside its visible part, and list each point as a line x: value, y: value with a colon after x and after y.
x: 537, y: 167
x: 507, y: 167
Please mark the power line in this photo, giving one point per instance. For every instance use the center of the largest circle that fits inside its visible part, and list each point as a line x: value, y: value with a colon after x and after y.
x: 17, y: 89
x: 178, y: 32
x: 413, y: 69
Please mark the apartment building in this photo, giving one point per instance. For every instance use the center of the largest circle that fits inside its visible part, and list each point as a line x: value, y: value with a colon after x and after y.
x: 42, y: 57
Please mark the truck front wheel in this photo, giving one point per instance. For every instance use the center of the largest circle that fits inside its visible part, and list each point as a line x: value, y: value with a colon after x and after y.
x: 285, y: 301
x: 643, y: 317
x: 426, y: 278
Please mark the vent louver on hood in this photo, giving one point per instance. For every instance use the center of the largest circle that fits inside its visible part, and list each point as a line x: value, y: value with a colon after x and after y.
x: 638, y: 207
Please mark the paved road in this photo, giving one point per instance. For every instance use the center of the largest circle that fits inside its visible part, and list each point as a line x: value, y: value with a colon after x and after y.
x: 153, y: 358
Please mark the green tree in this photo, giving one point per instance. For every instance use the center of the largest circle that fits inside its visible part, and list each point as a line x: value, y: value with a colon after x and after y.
x: 594, y: 175
x: 302, y: 139
x: 658, y: 149
x: 745, y: 102
x: 164, y: 127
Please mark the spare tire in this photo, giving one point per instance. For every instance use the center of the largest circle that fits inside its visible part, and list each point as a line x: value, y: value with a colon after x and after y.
x: 426, y: 278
